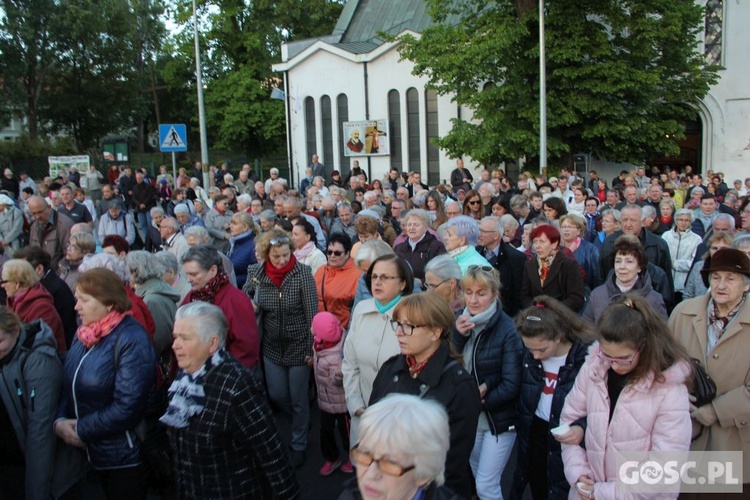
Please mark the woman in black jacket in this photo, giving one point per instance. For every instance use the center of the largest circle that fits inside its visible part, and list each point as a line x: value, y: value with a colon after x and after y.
x: 555, y: 341
x: 552, y: 272
x: 492, y: 352
x: 427, y: 367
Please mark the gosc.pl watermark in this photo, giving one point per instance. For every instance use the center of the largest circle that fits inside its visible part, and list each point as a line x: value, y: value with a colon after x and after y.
x: 679, y: 471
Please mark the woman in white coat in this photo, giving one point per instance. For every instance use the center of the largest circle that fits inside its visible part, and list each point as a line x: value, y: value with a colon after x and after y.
x: 683, y: 243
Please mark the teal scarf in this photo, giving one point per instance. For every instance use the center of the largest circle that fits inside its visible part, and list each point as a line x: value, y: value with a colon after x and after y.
x: 382, y: 309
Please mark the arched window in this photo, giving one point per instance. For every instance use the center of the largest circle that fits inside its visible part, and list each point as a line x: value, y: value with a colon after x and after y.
x: 325, y: 114
x: 714, y: 36
x: 394, y: 118
x: 412, y: 123
x: 310, y: 137
x: 342, y: 103
x: 433, y: 153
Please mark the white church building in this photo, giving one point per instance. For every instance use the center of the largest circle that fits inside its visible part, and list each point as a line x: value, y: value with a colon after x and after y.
x: 354, y: 76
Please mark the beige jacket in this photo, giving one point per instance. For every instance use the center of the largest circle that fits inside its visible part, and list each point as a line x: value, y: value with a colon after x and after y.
x: 729, y: 365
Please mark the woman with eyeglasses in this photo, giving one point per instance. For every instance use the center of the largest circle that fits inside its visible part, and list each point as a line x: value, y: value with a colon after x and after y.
x: 442, y: 275
x: 551, y: 272
x: 492, y: 353
x: 632, y: 392
x: 401, y: 453
x: 556, y: 344
x: 283, y: 293
x: 473, y: 205
x: 429, y: 367
x: 336, y: 281
x: 371, y: 340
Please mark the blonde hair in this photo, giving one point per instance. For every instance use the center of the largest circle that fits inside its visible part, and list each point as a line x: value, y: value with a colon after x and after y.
x: 20, y: 271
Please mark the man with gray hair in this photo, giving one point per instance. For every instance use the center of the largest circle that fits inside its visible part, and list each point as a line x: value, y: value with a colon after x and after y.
x: 173, y: 239
x: 198, y: 235
x: 244, y: 184
x: 507, y: 260
x: 171, y: 273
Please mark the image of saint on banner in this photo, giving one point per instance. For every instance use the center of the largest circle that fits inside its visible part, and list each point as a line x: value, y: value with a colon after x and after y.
x: 172, y: 137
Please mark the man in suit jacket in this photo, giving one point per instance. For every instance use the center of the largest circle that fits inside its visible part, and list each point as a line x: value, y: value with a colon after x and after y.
x: 507, y: 260
x: 318, y: 169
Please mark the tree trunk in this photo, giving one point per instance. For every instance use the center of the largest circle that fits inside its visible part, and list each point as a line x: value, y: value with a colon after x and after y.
x: 523, y: 7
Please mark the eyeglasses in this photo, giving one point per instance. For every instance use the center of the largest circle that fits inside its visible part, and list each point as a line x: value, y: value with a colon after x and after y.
x: 429, y: 286
x: 386, y: 466
x: 488, y: 231
x: 620, y: 361
x: 281, y: 240
x: 337, y: 253
x: 406, y: 328
x: 383, y: 277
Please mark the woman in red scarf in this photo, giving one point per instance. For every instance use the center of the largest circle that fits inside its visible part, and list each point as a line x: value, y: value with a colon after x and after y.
x: 109, y: 374
x: 283, y: 292
x: 428, y: 366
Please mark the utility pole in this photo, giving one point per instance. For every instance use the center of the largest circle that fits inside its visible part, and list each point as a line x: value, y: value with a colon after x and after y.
x: 201, y: 109
x: 542, y: 94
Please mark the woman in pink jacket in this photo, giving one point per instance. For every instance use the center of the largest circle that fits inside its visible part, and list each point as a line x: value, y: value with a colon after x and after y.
x: 633, y: 393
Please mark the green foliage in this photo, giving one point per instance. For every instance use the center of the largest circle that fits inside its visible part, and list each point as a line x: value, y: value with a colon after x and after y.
x: 25, y: 147
x: 621, y: 75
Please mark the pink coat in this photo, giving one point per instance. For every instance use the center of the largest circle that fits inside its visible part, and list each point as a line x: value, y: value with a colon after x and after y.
x: 648, y: 416
x: 328, y: 378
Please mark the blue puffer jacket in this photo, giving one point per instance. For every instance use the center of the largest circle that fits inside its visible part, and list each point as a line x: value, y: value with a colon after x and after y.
x: 108, y: 400
x: 497, y: 363
x: 242, y: 254
x: 531, y: 391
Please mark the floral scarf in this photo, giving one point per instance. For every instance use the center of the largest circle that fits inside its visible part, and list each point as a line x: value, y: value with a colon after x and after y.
x: 717, y: 324
x: 91, y: 334
x: 210, y: 289
x: 186, y: 394
x: 544, y: 265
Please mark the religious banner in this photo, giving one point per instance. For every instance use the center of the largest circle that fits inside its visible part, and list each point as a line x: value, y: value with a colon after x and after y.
x: 366, y: 138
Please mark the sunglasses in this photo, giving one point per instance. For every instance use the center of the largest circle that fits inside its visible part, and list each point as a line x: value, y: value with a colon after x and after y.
x: 280, y: 241
x: 337, y: 253
x: 386, y: 466
x: 487, y: 269
x: 475, y: 202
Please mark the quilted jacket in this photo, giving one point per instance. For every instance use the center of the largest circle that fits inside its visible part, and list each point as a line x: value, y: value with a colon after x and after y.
x: 649, y: 415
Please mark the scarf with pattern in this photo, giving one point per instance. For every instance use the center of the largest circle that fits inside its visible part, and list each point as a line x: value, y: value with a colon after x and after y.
x: 91, y: 334
x: 208, y: 292
x: 544, y: 265
x: 186, y: 394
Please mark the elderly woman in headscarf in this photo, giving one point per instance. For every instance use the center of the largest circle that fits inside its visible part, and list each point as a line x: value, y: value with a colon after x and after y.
x: 11, y: 224
x: 460, y: 235
x: 221, y: 430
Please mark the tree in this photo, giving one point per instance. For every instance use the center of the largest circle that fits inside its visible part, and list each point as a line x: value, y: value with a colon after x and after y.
x: 621, y: 75
x: 240, y: 42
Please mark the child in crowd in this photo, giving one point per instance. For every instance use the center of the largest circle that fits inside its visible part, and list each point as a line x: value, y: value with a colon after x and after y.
x: 328, y: 336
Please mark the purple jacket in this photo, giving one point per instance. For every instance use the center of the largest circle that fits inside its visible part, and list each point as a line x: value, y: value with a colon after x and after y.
x: 329, y: 380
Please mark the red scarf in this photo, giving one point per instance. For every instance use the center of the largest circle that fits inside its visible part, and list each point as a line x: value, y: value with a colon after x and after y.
x: 416, y: 367
x: 666, y: 220
x: 320, y: 345
x: 277, y: 274
x: 93, y: 333
x: 210, y: 289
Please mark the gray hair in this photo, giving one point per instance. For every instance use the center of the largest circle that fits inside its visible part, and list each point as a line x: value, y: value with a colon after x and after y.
x: 181, y: 208
x: 389, y: 192
x: 726, y: 217
x: 116, y: 203
x: 205, y: 256
x: 509, y: 220
x: 409, y: 426
x: 209, y: 321
x: 268, y: 215
x: 648, y: 211
x: 741, y: 241
x: 104, y: 261
x: 496, y: 222
x: 420, y: 214
x: 168, y: 261
x: 614, y: 213
x: 199, y: 233
x: 633, y: 207
x: 444, y: 267
x: 143, y: 266
x: 518, y: 200
x: 464, y: 226
x: 371, y: 250
x: 371, y: 196
x: 156, y: 210
x: 699, y: 190
x: 685, y: 211
x: 245, y: 198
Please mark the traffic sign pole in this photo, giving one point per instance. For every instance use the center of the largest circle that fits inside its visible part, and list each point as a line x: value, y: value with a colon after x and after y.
x: 174, y: 168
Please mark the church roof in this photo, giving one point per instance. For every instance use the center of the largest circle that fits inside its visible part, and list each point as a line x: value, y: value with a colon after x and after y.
x: 362, y: 20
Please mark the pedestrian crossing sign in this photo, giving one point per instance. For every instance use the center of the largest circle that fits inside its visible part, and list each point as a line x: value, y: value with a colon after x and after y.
x: 172, y: 137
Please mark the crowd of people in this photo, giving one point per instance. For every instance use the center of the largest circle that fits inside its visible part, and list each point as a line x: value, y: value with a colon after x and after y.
x: 156, y: 331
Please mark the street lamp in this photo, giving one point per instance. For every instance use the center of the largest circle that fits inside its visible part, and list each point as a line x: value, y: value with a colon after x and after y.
x: 542, y: 94
x: 201, y: 109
